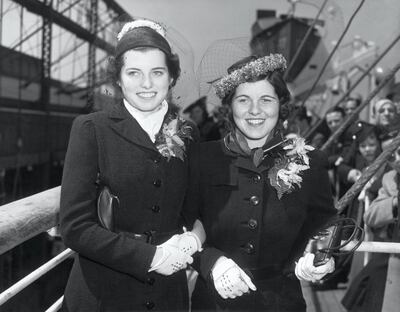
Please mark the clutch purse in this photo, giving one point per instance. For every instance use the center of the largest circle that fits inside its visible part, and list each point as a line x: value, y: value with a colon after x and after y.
x: 106, y: 203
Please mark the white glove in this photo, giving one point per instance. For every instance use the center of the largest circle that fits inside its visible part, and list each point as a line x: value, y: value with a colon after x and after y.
x: 306, y: 271
x: 229, y: 279
x: 172, y: 259
x: 353, y: 175
x: 189, y: 243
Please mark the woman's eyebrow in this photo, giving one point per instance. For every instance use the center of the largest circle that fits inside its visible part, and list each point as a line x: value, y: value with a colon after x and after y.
x: 269, y: 96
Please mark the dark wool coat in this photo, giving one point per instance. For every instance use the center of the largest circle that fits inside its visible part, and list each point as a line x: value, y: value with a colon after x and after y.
x: 110, y: 272
x: 244, y: 220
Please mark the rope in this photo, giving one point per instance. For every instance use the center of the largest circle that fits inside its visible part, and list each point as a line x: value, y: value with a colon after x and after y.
x: 353, y: 116
x: 304, y: 40
x: 333, y: 52
x: 367, y: 174
x: 389, y: 47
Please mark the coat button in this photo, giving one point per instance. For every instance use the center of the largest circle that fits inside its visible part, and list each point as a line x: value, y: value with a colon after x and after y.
x: 157, y: 160
x: 254, y: 200
x: 155, y: 208
x: 150, y: 280
x: 249, y: 248
x: 256, y: 178
x: 150, y: 305
x: 252, y: 224
x: 157, y: 183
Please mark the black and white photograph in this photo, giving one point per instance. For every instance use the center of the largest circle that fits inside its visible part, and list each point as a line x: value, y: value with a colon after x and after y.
x: 199, y: 155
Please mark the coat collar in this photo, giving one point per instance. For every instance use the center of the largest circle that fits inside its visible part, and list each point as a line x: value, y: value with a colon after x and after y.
x: 126, y: 126
x: 242, y: 160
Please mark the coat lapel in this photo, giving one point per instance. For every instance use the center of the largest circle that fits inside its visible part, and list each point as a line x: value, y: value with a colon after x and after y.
x: 127, y: 127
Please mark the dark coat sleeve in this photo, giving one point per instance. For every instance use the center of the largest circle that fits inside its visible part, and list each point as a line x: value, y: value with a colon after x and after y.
x: 191, y: 206
x: 203, y: 261
x: 80, y: 229
x: 343, y: 172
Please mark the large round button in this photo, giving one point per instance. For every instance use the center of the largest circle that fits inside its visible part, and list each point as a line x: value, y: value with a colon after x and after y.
x: 157, y: 183
x: 249, y: 248
x: 252, y: 224
x: 256, y: 178
x: 254, y: 200
x: 155, y: 208
x: 157, y: 160
x: 150, y: 280
x: 150, y: 305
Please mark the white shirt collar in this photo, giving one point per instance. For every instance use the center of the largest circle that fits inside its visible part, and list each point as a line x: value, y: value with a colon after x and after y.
x: 150, y: 123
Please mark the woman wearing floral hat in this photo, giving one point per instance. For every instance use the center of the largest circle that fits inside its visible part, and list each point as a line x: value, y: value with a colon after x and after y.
x: 260, y: 198
x: 138, y: 150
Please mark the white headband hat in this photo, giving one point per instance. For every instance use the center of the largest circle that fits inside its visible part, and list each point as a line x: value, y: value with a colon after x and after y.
x: 380, y: 103
x: 141, y: 23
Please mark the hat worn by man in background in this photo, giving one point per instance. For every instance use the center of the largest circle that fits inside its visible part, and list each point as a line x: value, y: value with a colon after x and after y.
x: 209, y: 130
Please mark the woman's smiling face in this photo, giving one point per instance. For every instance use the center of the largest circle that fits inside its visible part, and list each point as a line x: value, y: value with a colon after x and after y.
x: 145, y: 79
x: 255, y: 110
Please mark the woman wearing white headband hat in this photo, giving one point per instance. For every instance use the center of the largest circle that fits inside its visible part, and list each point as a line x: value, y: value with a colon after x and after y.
x: 138, y: 150
x: 385, y: 112
x: 387, y: 120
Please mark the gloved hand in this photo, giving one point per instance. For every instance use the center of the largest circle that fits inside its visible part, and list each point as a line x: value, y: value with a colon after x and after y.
x: 189, y: 243
x: 230, y: 280
x: 168, y: 259
x: 306, y: 271
x: 353, y: 175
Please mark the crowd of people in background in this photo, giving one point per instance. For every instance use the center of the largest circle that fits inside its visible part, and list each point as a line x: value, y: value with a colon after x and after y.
x: 348, y: 156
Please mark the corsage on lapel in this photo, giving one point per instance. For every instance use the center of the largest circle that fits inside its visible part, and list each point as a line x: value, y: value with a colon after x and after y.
x: 170, y: 141
x: 288, y: 166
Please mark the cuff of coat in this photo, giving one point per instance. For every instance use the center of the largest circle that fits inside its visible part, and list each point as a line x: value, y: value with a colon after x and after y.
x: 205, y: 260
x: 140, y: 269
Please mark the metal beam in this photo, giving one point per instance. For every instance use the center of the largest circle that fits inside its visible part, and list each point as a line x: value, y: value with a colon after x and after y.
x: 92, y: 55
x: 116, y: 7
x: 39, y: 8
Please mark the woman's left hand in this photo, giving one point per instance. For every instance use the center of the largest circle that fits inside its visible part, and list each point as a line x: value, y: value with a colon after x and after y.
x: 306, y: 271
x: 189, y: 243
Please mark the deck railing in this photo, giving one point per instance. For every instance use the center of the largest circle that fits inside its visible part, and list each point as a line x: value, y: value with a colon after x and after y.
x: 22, y: 220
x: 30, y: 216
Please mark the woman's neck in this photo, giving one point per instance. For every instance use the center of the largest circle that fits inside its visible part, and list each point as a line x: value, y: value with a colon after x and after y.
x: 260, y: 142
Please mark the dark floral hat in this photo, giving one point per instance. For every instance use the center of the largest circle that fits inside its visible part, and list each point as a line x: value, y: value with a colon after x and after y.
x: 255, y: 68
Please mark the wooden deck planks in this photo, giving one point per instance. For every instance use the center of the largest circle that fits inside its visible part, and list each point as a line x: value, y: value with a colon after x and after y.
x: 323, y: 301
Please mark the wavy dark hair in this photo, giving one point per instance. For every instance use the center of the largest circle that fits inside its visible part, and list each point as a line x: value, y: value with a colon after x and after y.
x: 115, y: 65
x: 275, y: 78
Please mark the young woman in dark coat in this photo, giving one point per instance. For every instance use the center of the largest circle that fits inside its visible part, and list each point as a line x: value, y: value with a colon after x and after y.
x: 260, y: 198
x: 138, y: 150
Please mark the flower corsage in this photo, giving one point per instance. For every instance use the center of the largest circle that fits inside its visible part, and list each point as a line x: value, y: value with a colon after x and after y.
x: 170, y: 141
x: 288, y: 166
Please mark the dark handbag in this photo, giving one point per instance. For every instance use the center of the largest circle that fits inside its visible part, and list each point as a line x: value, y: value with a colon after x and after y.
x: 106, y: 204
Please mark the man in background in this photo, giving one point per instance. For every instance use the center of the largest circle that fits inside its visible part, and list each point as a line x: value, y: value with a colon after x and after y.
x: 198, y: 114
